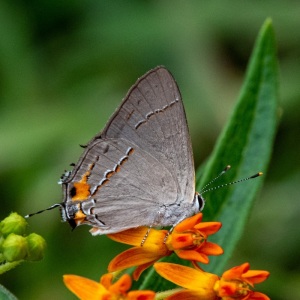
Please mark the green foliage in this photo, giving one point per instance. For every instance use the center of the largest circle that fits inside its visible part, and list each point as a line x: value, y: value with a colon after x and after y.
x: 65, y: 67
x: 246, y: 142
x: 5, y: 294
x: 15, y: 246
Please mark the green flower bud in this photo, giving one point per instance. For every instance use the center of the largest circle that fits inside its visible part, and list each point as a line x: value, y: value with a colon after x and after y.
x: 14, y: 247
x: 14, y: 223
x: 36, y: 247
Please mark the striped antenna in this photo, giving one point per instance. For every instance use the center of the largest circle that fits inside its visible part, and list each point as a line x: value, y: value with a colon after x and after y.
x: 217, y: 177
x: 230, y: 183
x: 49, y: 208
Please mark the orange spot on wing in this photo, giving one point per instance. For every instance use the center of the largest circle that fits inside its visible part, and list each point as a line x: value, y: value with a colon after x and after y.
x: 82, y: 188
x: 79, y: 217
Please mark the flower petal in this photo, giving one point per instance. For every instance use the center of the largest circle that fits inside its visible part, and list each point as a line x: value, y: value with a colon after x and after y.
x: 255, y: 276
x: 188, y: 223
x: 209, y: 227
x: 134, y: 257
x: 209, y: 248
x: 193, y: 255
x: 106, y: 280
x: 259, y: 296
x: 141, y: 295
x: 236, y: 272
x: 140, y: 269
x: 84, y: 288
x: 186, y: 277
x: 154, y: 241
x: 122, y: 285
x: 225, y: 288
x: 180, y: 240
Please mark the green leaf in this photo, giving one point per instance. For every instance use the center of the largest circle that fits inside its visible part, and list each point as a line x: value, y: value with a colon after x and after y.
x: 246, y: 144
x: 6, y: 294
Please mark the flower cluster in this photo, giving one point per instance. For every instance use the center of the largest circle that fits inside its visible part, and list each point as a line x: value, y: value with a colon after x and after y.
x: 189, y: 241
x: 15, y: 246
x: 87, y: 289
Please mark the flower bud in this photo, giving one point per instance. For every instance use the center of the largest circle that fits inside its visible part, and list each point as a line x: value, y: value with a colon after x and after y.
x: 14, y: 223
x: 36, y: 247
x: 14, y: 247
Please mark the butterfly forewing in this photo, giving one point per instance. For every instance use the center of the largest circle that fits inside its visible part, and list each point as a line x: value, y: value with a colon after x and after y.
x: 139, y: 169
x: 152, y: 116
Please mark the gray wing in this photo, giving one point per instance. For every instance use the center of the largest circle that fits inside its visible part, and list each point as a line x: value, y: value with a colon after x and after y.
x: 140, y: 167
x: 152, y: 117
x: 127, y: 185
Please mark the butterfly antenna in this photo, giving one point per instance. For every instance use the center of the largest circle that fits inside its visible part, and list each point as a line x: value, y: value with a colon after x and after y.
x: 49, y: 208
x: 230, y: 183
x: 212, y: 181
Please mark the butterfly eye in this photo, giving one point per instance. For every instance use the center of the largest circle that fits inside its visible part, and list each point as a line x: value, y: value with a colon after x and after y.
x: 200, y: 200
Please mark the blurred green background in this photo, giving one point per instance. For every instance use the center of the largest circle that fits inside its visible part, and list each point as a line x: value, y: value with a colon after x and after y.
x: 64, y: 68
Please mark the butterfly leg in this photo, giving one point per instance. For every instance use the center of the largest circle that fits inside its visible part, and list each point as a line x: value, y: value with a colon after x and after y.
x: 168, y: 233
x: 146, y: 235
x: 158, y: 216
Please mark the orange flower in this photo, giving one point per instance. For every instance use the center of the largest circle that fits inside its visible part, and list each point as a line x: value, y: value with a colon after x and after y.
x: 188, y: 240
x: 86, y: 289
x: 144, y: 256
x: 235, y: 284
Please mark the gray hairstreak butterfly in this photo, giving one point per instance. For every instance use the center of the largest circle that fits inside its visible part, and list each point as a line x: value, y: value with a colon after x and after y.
x: 139, y: 170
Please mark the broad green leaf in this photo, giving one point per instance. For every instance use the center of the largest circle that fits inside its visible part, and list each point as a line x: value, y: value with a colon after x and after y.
x: 6, y: 294
x: 246, y: 144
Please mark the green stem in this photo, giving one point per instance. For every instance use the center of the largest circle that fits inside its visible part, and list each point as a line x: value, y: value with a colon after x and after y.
x: 165, y: 294
x: 9, y: 265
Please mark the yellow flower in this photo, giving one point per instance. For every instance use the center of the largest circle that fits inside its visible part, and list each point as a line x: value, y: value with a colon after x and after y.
x: 235, y: 284
x: 86, y: 289
x: 188, y: 240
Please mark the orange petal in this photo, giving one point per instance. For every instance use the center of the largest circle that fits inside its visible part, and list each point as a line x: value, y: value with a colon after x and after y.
x: 134, y: 257
x: 226, y: 288
x: 141, y: 295
x: 84, y: 288
x: 140, y: 269
x: 209, y: 227
x: 135, y: 236
x: 236, y: 272
x: 209, y: 248
x: 258, y: 296
x: 106, y: 280
x: 180, y: 240
x: 255, y: 276
x: 122, y: 285
x: 188, y: 223
x: 193, y: 255
x: 186, y: 277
